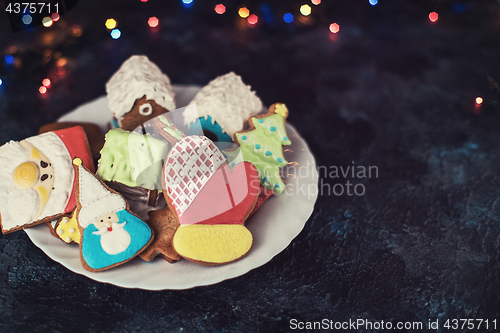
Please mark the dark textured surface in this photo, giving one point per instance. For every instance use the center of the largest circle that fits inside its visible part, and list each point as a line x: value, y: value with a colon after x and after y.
x: 390, y: 90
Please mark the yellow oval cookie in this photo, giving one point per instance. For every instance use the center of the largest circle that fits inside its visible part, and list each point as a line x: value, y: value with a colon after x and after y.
x: 212, y: 244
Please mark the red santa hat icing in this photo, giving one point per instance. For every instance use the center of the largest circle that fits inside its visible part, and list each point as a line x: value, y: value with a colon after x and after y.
x: 95, y: 199
x: 189, y: 166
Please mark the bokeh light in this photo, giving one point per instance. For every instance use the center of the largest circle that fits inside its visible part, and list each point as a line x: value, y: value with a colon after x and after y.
x: 144, y: 0
x: 47, y: 21
x: 110, y: 24
x: 479, y: 100
x: 243, y: 12
x: 42, y: 90
x: 433, y: 17
x: 55, y: 17
x: 61, y: 62
x: 9, y: 60
x: 305, y: 10
x: 334, y: 28
x: 220, y: 9
x: 116, y: 33
x: 187, y: 3
x: 253, y: 19
x: 153, y: 22
x: 316, y: 2
x: 46, y: 83
x: 288, y: 18
x: 1, y: 82
x: 373, y: 2
x: 27, y: 19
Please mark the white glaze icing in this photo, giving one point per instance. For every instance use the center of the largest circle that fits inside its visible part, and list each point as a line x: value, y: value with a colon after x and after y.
x: 52, y: 146
x: 138, y: 77
x: 11, y: 155
x: 95, y: 199
x: 115, y: 241
x: 227, y: 100
x: 188, y: 167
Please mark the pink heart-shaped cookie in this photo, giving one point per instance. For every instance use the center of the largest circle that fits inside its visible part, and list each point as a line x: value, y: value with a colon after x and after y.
x: 202, y: 189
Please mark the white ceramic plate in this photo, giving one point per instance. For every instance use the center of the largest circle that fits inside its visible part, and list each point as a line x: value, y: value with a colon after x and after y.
x: 273, y: 226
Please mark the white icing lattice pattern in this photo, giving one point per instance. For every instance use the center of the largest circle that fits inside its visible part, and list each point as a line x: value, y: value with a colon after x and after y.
x: 189, y: 166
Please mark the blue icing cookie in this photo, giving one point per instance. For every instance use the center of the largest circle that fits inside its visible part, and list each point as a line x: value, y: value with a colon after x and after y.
x: 93, y: 252
x: 211, y: 130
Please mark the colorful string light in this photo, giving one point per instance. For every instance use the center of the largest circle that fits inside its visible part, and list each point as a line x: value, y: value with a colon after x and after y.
x: 243, y: 12
x: 253, y: 19
x: 187, y: 3
x: 305, y: 10
x: 288, y: 18
x: 433, y: 17
x: 334, y: 28
x: 153, y: 21
x: 47, y: 21
x: 9, y: 60
x: 27, y: 19
x: 110, y: 24
x: 220, y: 9
x: 116, y: 33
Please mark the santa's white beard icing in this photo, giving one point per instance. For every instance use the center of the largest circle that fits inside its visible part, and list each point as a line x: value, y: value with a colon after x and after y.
x: 18, y: 207
x: 114, y: 239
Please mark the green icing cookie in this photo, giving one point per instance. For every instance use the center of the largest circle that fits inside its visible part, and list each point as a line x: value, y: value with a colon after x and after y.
x: 262, y: 146
x: 132, y: 159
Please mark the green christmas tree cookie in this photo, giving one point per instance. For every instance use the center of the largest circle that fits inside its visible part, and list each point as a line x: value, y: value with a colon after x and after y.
x: 262, y: 146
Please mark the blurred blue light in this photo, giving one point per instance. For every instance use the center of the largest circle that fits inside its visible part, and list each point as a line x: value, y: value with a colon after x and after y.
x: 288, y: 18
x: 460, y: 7
x: 116, y: 33
x: 1, y: 82
x: 266, y: 8
x: 187, y: 3
x: 27, y: 19
x: 9, y: 59
x: 373, y: 2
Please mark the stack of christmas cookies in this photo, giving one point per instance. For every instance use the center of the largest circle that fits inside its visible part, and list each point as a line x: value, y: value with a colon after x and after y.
x: 162, y: 182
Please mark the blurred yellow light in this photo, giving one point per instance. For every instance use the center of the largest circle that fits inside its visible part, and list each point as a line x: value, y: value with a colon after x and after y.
x: 47, y: 21
x: 479, y: 100
x: 244, y: 12
x: 110, y: 24
x: 305, y: 10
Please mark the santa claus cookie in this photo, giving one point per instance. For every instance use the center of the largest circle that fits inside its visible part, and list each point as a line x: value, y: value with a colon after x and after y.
x: 110, y: 234
x: 37, y: 177
x: 211, y: 201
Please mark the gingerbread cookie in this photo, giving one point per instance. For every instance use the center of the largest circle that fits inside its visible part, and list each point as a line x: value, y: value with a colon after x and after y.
x: 66, y: 228
x: 262, y: 146
x: 211, y: 202
x: 164, y: 224
x: 222, y: 108
x: 110, y: 234
x: 37, y: 177
x: 138, y: 92
x: 92, y: 131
